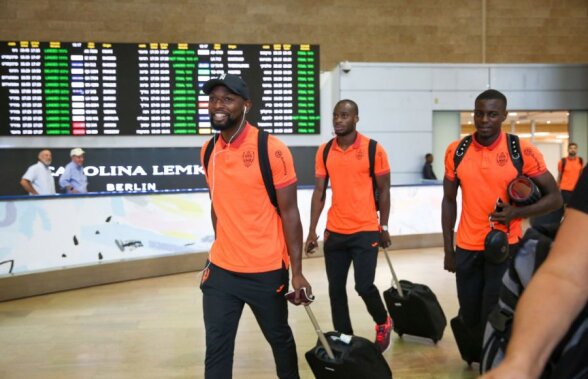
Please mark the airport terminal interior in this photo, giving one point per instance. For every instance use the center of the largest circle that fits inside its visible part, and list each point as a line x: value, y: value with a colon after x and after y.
x: 105, y: 285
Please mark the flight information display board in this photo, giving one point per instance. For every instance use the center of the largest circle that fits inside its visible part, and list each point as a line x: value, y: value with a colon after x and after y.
x: 87, y: 88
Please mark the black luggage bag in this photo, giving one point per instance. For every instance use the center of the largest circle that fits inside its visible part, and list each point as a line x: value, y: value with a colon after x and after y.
x: 470, y: 347
x: 414, y: 308
x: 350, y: 357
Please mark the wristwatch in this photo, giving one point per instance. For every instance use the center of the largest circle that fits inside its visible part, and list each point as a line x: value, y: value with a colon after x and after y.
x: 384, y: 228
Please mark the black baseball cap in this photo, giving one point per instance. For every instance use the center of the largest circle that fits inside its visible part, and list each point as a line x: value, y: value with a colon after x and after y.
x: 233, y: 82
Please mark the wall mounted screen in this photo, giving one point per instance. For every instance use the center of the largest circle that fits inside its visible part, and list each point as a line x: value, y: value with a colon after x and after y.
x: 96, y: 89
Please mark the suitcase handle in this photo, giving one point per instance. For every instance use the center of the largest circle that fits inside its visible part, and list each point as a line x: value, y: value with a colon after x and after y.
x: 395, y: 281
x: 319, y: 332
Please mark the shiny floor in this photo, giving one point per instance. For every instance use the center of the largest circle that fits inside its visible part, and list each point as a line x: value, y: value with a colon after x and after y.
x: 153, y: 328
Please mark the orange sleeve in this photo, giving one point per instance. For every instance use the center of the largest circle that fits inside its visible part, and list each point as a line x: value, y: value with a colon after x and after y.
x: 449, y: 165
x: 534, y: 163
x: 559, y: 166
x: 382, y: 166
x: 282, y: 163
x: 319, y: 166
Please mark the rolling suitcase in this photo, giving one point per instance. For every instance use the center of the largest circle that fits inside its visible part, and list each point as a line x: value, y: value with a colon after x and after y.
x: 470, y: 348
x: 414, y: 308
x: 337, y: 356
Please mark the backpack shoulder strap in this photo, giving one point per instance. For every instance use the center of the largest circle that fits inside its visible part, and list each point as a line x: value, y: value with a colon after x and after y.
x: 463, y: 146
x: 514, y: 150
x: 325, y: 156
x: 562, y: 168
x: 208, y: 152
x: 372, y: 157
x: 266, y: 169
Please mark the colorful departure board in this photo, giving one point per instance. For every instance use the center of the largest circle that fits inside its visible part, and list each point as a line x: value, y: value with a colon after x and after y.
x: 96, y: 89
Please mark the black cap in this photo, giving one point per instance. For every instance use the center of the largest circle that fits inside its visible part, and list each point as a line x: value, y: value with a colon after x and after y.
x: 234, y: 83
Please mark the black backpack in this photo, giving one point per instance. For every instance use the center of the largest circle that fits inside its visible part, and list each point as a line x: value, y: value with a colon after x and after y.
x: 514, y: 151
x: 264, y: 164
x: 372, y: 161
x: 568, y: 359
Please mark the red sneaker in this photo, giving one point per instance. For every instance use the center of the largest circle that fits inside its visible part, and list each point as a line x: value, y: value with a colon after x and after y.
x: 383, y: 332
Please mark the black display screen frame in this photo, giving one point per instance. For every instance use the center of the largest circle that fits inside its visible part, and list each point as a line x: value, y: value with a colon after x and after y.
x: 151, y: 89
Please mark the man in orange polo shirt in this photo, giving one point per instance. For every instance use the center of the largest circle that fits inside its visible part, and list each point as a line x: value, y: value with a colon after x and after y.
x: 254, y: 245
x: 354, y: 232
x: 483, y: 175
x: 569, y: 173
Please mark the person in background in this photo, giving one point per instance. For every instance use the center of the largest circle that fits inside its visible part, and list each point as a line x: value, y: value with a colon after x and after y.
x: 483, y: 175
x: 354, y: 231
x: 428, y: 168
x: 254, y: 244
x: 38, y: 180
x: 569, y: 170
x: 73, y: 179
x: 554, y: 298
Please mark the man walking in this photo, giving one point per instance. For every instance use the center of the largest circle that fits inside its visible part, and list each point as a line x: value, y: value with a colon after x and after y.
x: 255, y: 243
x: 354, y: 232
x: 484, y: 172
x: 569, y: 170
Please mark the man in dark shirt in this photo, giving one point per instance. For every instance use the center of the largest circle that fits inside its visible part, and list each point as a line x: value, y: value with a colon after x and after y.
x: 428, y: 167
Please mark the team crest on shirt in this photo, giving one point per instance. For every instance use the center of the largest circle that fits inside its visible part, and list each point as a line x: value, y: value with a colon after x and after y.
x: 248, y: 157
x: 359, y: 154
x: 278, y: 154
x: 501, y: 158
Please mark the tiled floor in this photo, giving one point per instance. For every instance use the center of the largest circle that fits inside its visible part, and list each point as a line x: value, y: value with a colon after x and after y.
x: 153, y: 328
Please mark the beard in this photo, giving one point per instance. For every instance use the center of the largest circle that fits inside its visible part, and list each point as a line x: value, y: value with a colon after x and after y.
x: 344, y: 132
x: 230, y: 123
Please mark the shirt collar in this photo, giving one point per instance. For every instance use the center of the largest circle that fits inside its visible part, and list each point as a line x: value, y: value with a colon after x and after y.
x: 240, y: 138
x: 354, y: 145
x: 478, y: 146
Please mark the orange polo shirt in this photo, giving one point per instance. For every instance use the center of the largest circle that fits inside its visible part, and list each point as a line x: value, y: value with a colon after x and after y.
x: 571, y: 173
x: 352, y: 207
x: 484, y: 174
x: 249, y: 234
